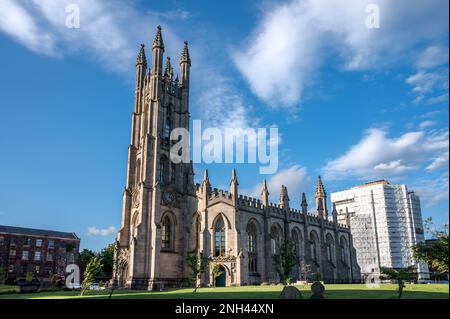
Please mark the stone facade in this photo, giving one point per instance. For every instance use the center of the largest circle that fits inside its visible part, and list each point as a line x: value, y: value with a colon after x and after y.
x: 166, y: 216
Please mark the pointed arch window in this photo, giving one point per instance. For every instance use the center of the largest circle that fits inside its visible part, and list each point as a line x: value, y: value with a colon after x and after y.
x: 167, y: 128
x: 166, y: 233
x: 252, y: 248
x: 172, y: 173
x: 295, y: 241
x: 163, y: 170
x: 275, y: 240
x: 219, y: 237
x: 197, y: 228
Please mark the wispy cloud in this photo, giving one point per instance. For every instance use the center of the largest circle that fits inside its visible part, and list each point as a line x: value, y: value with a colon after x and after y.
x: 433, y: 191
x: 378, y: 155
x: 109, y: 33
x: 103, y: 232
x: 292, y: 41
x: 430, y: 82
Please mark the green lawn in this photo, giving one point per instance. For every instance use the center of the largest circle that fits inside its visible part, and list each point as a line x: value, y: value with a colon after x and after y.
x: 356, y: 291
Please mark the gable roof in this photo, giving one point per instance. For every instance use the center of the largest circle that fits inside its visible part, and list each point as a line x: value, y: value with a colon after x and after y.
x: 36, y: 232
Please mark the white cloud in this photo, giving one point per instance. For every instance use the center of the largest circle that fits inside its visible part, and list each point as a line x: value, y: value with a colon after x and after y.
x: 426, y: 82
x: 295, y: 178
x: 430, y: 82
x: 393, y: 166
x: 292, y: 41
x: 110, y: 31
x: 432, y: 56
x: 93, y: 231
x: 378, y: 155
x: 438, y: 162
x: 17, y: 22
x: 426, y: 124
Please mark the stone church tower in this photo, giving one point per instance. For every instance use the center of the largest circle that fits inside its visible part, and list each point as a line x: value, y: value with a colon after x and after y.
x: 166, y: 217
x: 157, y: 192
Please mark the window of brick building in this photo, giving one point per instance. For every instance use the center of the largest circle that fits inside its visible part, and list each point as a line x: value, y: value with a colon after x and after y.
x: 37, y: 256
x: 11, y: 268
x: 38, y: 242
x: 27, y: 241
x: 49, y: 257
x: 12, y: 253
x: 37, y: 269
x: 51, y: 243
x: 25, y: 254
x: 2, y: 240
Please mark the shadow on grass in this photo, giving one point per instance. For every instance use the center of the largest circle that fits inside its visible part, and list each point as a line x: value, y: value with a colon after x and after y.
x: 208, y: 293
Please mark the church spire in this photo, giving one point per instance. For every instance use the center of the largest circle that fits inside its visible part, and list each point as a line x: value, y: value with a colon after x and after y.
x: 141, y: 58
x: 320, y: 189
x: 185, y: 66
x: 321, y: 199
x: 185, y: 58
x: 158, y: 41
x: 157, y: 55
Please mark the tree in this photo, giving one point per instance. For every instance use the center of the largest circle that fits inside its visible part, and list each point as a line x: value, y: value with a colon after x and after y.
x: 107, y: 257
x: 3, y: 275
x: 198, y: 265
x: 285, y: 261
x: 216, y: 271
x: 434, y: 252
x: 85, y: 257
x: 92, y: 269
x: 400, y: 275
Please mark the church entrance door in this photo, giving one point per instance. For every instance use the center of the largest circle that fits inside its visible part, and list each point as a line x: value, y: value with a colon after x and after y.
x: 221, y: 280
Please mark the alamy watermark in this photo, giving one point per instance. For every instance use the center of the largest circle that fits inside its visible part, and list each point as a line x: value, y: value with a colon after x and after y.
x: 228, y: 145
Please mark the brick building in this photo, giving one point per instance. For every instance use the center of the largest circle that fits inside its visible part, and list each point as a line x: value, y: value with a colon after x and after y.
x: 42, y: 252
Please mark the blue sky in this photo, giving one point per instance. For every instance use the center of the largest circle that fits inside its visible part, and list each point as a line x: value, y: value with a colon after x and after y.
x: 352, y: 104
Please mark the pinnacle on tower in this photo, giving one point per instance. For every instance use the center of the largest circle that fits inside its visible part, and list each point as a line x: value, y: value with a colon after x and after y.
x: 169, y: 69
x: 304, y: 203
x: 335, y: 213
x: 284, y: 198
x: 264, y: 187
x: 320, y: 189
x: 141, y: 59
x: 234, y: 177
x: 158, y: 42
x: 185, y: 58
x: 205, y: 177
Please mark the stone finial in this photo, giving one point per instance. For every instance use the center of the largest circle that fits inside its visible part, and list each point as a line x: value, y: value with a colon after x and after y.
x: 234, y: 179
x: 158, y: 41
x: 205, y: 177
x: 168, y: 71
x: 141, y: 58
x: 185, y: 58
x: 304, y: 204
x: 284, y: 197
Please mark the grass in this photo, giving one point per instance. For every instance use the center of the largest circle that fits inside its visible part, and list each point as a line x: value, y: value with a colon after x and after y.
x: 5, y: 289
x: 354, y: 291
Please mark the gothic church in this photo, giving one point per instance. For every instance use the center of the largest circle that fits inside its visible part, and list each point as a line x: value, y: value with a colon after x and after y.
x: 166, y: 217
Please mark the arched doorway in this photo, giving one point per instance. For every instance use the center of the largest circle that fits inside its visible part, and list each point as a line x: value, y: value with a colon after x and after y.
x: 221, y: 280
